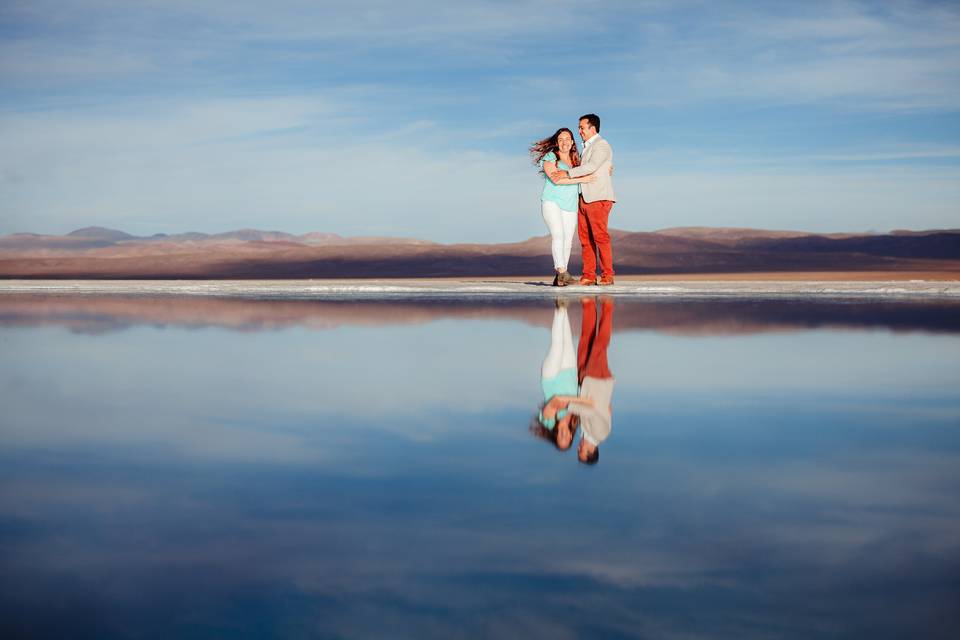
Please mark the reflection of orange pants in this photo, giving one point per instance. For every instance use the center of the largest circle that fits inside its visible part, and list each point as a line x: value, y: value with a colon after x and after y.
x: 592, y: 229
x: 594, y: 340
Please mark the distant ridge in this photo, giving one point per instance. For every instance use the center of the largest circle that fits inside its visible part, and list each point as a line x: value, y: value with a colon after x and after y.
x: 907, y: 232
x: 98, y: 252
x: 101, y: 233
x: 721, y: 234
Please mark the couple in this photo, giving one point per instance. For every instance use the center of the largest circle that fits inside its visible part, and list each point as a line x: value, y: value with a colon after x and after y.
x: 578, y: 193
x: 578, y: 388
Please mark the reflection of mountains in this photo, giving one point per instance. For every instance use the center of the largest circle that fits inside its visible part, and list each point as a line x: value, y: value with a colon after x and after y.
x: 106, y: 253
x: 686, y: 317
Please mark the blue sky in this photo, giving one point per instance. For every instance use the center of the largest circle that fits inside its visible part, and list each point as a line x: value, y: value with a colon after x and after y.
x: 413, y: 118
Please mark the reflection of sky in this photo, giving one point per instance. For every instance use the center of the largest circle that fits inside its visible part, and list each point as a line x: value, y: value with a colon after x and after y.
x: 290, y: 482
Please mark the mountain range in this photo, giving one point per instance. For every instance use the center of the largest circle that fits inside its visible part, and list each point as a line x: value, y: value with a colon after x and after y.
x: 97, y: 252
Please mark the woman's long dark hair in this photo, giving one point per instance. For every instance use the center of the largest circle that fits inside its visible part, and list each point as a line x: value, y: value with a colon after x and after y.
x: 541, y: 148
x: 550, y: 435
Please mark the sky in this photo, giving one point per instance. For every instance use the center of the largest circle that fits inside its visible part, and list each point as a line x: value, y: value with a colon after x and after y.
x: 414, y: 118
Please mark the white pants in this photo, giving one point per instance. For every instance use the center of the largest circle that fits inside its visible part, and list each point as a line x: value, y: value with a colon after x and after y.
x: 562, y: 226
x: 561, y: 354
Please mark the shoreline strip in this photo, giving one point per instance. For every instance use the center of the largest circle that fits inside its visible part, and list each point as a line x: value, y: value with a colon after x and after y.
x: 470, y: 288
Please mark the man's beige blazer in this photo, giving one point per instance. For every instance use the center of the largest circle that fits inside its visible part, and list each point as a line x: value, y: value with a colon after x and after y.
x: 596, y: 159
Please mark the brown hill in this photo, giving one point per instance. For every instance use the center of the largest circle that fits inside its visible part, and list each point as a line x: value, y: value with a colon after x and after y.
x: 727, y: 235
x: 95, y: 252
x: 101, y: 233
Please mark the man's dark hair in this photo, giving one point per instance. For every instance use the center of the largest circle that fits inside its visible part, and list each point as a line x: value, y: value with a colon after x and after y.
x: 593, y: 458
x: 593, y: 119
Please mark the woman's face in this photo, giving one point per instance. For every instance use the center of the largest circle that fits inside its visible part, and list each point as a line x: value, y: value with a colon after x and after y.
x: 565, y: 142
x: 564, y: 434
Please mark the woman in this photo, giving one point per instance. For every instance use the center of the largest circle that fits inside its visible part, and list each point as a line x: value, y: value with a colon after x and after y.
x: 559, y: 199
x: 556, y: 421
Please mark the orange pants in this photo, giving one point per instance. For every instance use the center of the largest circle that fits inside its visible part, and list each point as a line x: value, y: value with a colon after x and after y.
x: 594, y: 340
x: 592, y: 229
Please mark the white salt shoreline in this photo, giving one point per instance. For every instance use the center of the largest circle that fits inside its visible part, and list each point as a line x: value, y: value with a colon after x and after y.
x: 497, y: 288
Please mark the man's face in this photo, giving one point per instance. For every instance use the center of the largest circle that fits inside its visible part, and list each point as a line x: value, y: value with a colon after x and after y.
x: 586, y: 130
x: 584, y: 450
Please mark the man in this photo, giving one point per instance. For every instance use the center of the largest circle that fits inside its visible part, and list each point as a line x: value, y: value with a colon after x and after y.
x: 596, y: 201
x: 596, y: 381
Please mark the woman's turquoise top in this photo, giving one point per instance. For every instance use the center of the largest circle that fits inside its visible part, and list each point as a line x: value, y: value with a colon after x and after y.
x: 562, y: 384
x: 565, y: 195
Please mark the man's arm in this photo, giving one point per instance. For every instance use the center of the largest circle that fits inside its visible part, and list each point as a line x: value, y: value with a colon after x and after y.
x: 601, y: 153
x: 557, y: 176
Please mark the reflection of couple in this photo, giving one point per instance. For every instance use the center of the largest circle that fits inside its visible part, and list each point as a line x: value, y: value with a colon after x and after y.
x: 578, y: 396
x: 577, y: 194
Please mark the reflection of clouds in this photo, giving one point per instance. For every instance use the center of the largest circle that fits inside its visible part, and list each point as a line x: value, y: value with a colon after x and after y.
x: 651, y: 544
x: 296, y: 394
x: 634, y: 556
x: 289, y: 395
x: 380, y: 479
x: 828, y: 363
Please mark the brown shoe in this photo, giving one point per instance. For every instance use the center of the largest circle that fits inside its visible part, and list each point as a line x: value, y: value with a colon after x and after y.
x: 558, y: 280
x: 606, y: 281
x: 585, y: 281
x: 567, y: 278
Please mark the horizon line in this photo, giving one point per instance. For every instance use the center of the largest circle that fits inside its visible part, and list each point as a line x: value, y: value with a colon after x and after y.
x: 97, y: 231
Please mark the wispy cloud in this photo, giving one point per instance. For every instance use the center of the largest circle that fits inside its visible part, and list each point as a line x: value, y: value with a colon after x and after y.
x: 250, y: 110
x: 847, y: 55
x: 229, y: 163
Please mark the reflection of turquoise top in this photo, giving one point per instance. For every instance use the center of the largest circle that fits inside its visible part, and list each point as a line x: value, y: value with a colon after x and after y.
x: 562, y: 384
x: 565, y: 195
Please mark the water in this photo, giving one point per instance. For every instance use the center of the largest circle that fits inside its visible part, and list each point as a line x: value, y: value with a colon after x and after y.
x: 240, y: 468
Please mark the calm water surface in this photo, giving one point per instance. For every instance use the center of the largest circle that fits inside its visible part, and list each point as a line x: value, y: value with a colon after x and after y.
x: 253, y: 469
